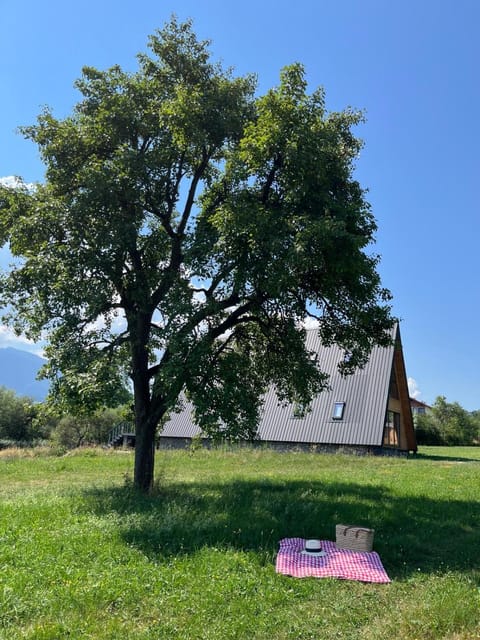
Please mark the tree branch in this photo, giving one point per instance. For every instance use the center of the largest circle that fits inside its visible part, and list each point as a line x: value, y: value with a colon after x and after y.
x: 172, y: 199
x: 277, y: 163
x: 191, y: 192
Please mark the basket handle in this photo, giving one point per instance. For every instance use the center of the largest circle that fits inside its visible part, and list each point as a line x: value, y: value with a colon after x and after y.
x: 354, y: 527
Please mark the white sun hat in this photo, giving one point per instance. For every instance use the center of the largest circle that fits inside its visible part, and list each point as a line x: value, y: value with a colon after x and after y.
x: 313, y: 548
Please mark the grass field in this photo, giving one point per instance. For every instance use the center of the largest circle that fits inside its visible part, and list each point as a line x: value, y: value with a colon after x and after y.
x: 83, y: 556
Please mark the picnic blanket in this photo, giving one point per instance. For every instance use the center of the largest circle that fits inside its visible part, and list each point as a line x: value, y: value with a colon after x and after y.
x: 337, y: 563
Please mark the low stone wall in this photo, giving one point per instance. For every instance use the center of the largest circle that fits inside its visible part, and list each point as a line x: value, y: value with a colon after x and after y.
x: 285, y: 447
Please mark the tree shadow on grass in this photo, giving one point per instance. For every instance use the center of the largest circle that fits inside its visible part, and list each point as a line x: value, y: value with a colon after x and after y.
x: 411, y: 534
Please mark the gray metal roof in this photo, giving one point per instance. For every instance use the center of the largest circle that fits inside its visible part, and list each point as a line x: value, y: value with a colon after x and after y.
x: 365, y: 394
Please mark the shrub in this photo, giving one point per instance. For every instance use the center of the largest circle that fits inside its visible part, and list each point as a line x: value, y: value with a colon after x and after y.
x: 17, y: 414
x: 75, y: 431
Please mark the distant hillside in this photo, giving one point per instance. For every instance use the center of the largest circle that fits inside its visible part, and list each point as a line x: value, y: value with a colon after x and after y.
x: 18, y: 371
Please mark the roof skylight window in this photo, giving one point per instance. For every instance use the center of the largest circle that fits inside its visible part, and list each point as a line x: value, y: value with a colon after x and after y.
x: 338, y: 410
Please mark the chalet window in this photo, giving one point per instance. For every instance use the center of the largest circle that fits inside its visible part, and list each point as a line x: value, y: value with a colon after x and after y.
x: 338, y: 409
x: 394, y: 387
x: 392, y: 429
x: 393, y: 420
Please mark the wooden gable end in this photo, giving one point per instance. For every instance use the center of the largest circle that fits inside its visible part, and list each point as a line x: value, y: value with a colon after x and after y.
x: 399, y: 432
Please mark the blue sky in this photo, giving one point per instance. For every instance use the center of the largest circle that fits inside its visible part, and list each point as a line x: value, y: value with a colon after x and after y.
x: 411, y: 65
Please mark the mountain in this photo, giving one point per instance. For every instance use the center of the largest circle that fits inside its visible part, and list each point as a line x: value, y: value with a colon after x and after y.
x: 18, y: 371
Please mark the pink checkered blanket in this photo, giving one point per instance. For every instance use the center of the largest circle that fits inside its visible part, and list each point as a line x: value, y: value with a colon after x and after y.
x: 337, y: 563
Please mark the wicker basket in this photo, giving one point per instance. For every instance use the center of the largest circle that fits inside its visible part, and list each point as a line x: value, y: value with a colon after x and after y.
x: 355, y: 538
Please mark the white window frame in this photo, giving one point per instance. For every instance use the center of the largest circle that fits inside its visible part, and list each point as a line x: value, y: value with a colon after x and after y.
x: 338, y: 410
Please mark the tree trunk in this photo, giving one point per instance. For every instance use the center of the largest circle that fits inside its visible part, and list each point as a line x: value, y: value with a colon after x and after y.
x: 144, y: 424
x: 144, y: 455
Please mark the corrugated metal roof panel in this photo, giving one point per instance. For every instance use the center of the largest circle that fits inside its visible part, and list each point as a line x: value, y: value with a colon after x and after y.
x: 181, y: 425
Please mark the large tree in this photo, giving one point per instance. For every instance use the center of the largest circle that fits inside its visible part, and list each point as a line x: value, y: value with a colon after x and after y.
x: 184, y: 230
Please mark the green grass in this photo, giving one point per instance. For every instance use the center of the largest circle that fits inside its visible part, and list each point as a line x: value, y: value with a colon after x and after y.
x: 83, y: 556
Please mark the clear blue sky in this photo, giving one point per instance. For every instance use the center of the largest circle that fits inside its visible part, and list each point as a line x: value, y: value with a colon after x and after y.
x: 411, y: 65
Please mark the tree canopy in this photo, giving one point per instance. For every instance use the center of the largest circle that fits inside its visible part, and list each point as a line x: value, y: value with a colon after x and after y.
x: 185, y: 229
x: 447, y: 423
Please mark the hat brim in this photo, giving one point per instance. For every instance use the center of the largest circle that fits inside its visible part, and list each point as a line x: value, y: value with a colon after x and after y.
x: 316, y: 554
